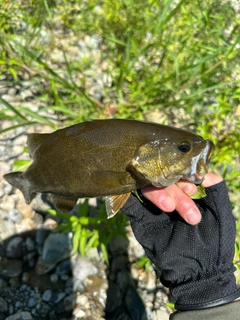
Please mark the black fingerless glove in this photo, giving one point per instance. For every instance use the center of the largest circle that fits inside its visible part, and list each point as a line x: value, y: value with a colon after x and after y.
x: 195, y: 262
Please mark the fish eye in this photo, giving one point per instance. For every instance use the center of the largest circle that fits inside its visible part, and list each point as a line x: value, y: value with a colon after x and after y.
x: 184, y: 147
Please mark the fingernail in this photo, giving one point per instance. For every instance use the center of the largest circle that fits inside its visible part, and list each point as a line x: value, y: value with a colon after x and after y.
x: 193, y: 216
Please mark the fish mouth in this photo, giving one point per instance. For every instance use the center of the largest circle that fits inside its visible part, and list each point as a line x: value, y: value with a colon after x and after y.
x: 194, y: 178
x: 199, y: 163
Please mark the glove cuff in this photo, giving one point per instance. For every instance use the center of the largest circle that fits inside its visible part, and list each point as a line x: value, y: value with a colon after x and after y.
x: 208, y: 304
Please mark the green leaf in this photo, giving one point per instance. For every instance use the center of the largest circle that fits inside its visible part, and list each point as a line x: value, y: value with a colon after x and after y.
x: 170, y: 305
x: 104, y: 252
x: 21, y: 165
x: 83, y: 241
x: 61, y: 215
x: 92, y: 242
x: 76, y: 238
x: 13, y: 109
x: 200, y: 193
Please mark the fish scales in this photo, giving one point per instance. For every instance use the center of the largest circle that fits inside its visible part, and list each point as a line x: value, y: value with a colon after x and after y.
x: 110, y: 158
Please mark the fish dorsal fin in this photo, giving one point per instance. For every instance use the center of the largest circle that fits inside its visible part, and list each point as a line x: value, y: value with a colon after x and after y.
x: 115, y: 203
x: 63, y: 204
x: 34, y: 141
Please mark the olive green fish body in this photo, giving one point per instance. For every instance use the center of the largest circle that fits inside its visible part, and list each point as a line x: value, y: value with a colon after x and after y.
x: 110, y: 158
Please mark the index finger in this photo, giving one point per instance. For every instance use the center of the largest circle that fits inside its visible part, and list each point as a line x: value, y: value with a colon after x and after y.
x: 173, y: 198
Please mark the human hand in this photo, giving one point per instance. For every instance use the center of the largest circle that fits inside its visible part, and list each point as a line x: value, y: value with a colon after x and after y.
x: 195, y: 262
x: 177, y: 197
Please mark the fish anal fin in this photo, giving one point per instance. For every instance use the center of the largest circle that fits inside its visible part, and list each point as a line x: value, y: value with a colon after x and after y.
x: 63, y: 204
x: 115, y: 203
x: 34, y: 140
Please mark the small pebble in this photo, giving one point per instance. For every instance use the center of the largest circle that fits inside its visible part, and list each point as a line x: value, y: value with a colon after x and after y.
x: 3, y: 305
x: 31, y: 302
x: 47, y: 295
x: 15, y: 215
x: 30, y: 244
x: 25, y: 277
x: 54, y: 278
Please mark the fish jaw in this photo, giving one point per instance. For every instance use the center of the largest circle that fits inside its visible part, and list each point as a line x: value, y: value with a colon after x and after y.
x: 199, y: 163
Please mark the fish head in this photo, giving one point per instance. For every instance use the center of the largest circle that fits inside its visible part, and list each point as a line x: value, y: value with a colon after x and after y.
x: 186, y: 160
x: 165, y: 161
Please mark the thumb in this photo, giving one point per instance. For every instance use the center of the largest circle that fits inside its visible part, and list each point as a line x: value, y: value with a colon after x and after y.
x: 211, y: 179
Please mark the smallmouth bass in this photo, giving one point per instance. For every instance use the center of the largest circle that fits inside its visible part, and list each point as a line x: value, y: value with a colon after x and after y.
x: 110, y: 158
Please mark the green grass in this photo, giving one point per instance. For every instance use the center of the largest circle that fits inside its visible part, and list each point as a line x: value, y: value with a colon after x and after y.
x: 176, y: 57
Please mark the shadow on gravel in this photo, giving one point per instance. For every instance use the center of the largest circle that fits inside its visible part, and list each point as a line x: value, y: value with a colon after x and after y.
x: 39, y: 279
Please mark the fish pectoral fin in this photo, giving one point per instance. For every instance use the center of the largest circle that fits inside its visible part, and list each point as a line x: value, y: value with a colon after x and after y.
x: 115, y: 203
x: 34, y: 140
x: 63, y: 204
x: 112, y: 179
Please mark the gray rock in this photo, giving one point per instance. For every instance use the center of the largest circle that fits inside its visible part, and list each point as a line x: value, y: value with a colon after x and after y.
x: 14, y: 249
x: 25, y: 277
x: 63, y: 267
x: 47, y: 295
x: 57, y: 297
x: 123, y: 280
x: 135, y: 248
x: 78, y: 286
x: 114, y: 299
x: 12, y: 92
x: 31, y: 302
x: 69, y: 302
x: 54, y: 278
x: 10, y: 268
x: 3, y: 285
x: 5, y: 168
x: 134, y: 304
x: 80, y: 314
x: 14, y: 215
x: 18, y: 304
x: 31, y: 259
x: 7, y: 202
x: 21, y: 315
x: 30, y: 244
x: 3, y: 89
x: 151, y: 280
x: 40, y: 236
x: 119, y: 263
x: 26, y: 94
x: 3, y: 305
x: 97, y: 287
x: 7, y: 228
x: 94, y: 255
x: 118, y: 245
x: 82, y: 300
x: 56, y: 248
x: 42, y: 267
x: 83, y: 268
x: 160, y: 314
x: 14, y: 283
